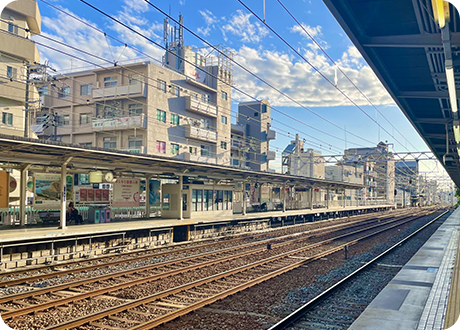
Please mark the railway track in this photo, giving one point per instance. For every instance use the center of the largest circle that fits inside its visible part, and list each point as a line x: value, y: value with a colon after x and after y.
x: 338, y: 306
x: 220, y: 277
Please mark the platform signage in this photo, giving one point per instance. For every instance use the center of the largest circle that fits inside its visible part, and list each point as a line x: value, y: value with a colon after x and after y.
x: 4, y: 189
x: 126, y: 192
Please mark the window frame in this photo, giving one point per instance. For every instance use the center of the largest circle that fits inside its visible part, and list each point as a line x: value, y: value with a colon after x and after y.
x: 110, y: 141
x: 111, y: 81
x: 174, y: 149
x: 87, y: 88
x: 223, y: 119
x: 7, y: 118
x: 162, y: 85
x: 161, y: 115
x: 174, y: 119
x: 161, y: 147
x: 223, y: 145
x: 224, y: 95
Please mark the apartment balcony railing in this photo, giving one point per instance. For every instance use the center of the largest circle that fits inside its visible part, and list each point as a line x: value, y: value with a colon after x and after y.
x: 271, y: 155
x: 117, y: 91
x: 271, y: 135
x: 199, y: 158
x: 139, y: 150
x: 198, y: 133
x: 120, y: 123
x: 201, y: 107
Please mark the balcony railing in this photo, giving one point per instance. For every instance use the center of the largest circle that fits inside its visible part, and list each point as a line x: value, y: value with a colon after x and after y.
x: 271, y: 135
x: 116, y: 91
x: 201, y: 107
x: 193, y: 132
x: 120, y: 123
x: 199, y: 158
x: 139, y: 150
x: 271, y: 155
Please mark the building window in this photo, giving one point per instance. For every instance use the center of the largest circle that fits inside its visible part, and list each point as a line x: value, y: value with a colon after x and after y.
x: 264, y: 108
x: 174, y: 148
x: 161, y: 147
x: 162, y: 86
x: 64, y: 92
x: 223, y: 95
x: 7, y: 118
x: 12, y: 28
x: 134, y: 142
x: 256, y: 114
x: 86, y: 89
x: 223, y: 119
x: 205, y: 150
x: 174, y: 119
x: 223, y: 145
x: 110, y: 82
x: 43, y: 90
x: 176, y: 90
x: 207, y: 200
x: 135, y: 110
x: 64, y: 120
x: 134, y: 79
x: 110, y: 143
x: 12, y: 73
x: 206, y: 98
x: 195, y: 96
x: 161, y: 116
x: 85, y: 118
x: 192, y: 150
x: 87, y: 144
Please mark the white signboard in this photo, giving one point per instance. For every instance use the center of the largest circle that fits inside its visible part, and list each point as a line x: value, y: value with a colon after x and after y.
x: 112, y: 123
x: 126, y: 192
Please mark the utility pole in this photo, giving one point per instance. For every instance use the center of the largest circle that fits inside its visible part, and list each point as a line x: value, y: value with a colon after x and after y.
x: 26, y: 104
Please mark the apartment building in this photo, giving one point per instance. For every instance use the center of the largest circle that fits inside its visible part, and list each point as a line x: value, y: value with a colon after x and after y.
x: 251, y: 136
x: 17, y: 52
x: 170, y: 109
x: 347, y: 173
x: 378, y: 170
x: 298, y: 161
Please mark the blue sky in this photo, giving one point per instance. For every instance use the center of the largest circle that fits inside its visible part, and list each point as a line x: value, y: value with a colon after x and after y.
x: 255, y: 47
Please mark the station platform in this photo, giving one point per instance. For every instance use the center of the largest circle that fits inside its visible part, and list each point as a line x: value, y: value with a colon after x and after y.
x: 31, y: 234
x: 418, y: 296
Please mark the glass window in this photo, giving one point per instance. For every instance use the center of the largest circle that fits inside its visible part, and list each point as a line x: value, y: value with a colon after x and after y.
x: 162, y: 85
x: 161, y: 116
x: 7, y: 118
x: 205, y: 151
x: 174, y: 119
x: 110, y: 82
x: 223, y: 119
x: 134, y: 142
x: 223, y: 145
x: 176, y: 91
x: 12, y: 28
x: 64, y: 92
x: 161, y: 147
x: 264, y: 108
x: 135, y: 109
x: 225, y: 200
x: 192, y: 150
x: 205, y: 98
x: 194, y: 193
x: 86, y: 89
x: 110, y: 143
x: 195, y: 96
x: 85, y: 118
x: 12, y: 73
x: 223, y: 95
x: 134, y: 79
x: 199, y: 200
x: 174, y: 148
x: 43, y: 90
x: 220, y: 199
x: 207, y: 200
x: 256, y: 114
x: 166, y: 201
x: 65, y: 120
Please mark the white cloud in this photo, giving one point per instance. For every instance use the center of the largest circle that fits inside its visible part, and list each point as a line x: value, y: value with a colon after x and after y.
x: 296, y: 78
x: 139, y: 6
x: 241, y: 26
x: 210, y: 19
x: 314, y: 31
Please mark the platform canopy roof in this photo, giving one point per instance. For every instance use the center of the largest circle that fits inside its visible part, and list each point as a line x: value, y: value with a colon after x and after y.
x: 403, y: 43
x: 17, y: 150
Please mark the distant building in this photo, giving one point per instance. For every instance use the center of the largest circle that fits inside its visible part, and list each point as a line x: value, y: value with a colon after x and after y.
x: 21, y: 19
x: 298, y: 161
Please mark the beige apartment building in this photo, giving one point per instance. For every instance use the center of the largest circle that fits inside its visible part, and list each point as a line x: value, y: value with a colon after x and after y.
x: 16, y: 50
x: 171, y: 109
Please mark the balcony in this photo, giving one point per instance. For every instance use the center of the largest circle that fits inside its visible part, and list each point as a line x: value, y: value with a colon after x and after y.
x: 28, y: 8
x: 200, y: 107
x: 271, y: 135
x: 120, y: 123
x: 140, y: 150
x: 199, y: 158
x: 237, y: 144
x: 198, y: 133
x: 18, y: 47
x: 119, y: 91
x: 271, y: 155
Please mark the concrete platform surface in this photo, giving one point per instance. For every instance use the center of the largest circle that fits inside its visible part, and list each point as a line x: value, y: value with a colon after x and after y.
x: 14, y: 235
x: 416, y: 298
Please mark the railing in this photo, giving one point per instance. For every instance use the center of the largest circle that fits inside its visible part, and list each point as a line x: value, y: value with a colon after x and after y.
x: 201, y: 107
x: 119, y: 123
x: 193, y: 132
x: 198, y: 158
x: 118, y: 91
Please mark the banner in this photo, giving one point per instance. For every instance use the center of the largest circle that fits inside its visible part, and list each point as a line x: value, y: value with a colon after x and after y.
x: 47, y: 190
x: 126, y: 193
x: 4, y: 189
x: 154, y: 192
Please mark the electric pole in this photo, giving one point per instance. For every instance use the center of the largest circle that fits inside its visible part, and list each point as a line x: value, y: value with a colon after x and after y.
x: 26, y: 105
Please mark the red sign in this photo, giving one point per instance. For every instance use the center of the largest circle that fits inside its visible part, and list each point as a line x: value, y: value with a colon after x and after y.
x: 83, y: 195
x: 90, y: 195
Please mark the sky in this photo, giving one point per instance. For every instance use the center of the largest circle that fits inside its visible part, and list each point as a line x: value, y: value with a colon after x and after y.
x: 315, y: 109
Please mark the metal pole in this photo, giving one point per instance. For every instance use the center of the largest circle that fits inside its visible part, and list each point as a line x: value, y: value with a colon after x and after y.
x: 26, y: 104
x: 181, y: 198
x: 327, y: 198
x: 63, y: 195
x: 312, y: 191
x: 244, y: 198
x: 284, y: 197
x: 147, y: 196
x: 23, y: 195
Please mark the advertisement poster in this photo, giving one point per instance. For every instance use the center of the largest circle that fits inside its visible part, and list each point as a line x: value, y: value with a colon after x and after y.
x: 264, y: 194
x: 97, y: 195
x: 90, y: 195
x: 105, y: 195
x: 126, y: 192
x: 4, y: 189
x: 154, y: 192
x: 83, y: 195
x: 47, y: 190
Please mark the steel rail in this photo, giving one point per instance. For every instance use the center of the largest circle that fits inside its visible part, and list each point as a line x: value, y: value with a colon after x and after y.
x: 296, y: 315
x: 111, y: 311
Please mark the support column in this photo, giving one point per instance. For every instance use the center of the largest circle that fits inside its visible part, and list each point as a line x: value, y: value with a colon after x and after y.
x: 284, y: 197
x: 343, y: 199
x: 312, y: 200
x: 63, y: 196
x: 244, y: 198
x: 327, y: 198
x: 147, y: 196
x: 23, y: 194
x: 181, y: 198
